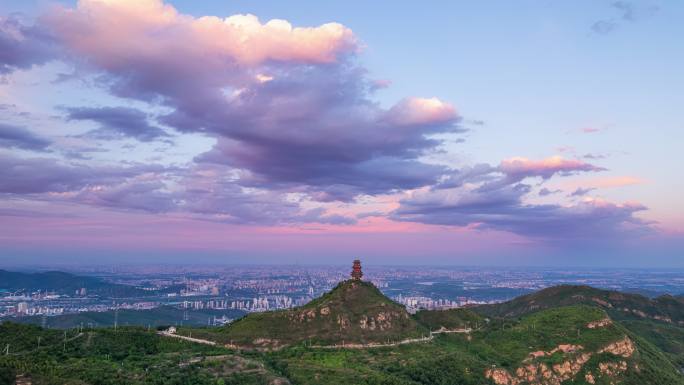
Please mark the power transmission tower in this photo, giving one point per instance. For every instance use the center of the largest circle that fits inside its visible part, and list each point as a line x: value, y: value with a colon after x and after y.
x: 116, y: 318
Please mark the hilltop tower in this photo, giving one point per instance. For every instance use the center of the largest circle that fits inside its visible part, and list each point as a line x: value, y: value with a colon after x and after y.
x: 356, y: 273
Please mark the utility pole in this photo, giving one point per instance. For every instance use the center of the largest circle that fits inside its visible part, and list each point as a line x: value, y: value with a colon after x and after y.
x: 7, y: 350
x: 64, y: 341
x: 38, y: 341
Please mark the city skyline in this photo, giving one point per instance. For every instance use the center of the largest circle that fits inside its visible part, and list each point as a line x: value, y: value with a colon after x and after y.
x: 534, y: 134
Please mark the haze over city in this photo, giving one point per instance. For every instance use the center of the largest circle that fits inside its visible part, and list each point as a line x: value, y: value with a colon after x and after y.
x: 528, y: 133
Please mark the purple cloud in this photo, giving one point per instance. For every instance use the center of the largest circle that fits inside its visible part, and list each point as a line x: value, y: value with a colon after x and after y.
x: 19, y: 137
x: 22, y: 46
x: 295, y: 120
x: 489, y: 197
x: 43, y: 175
x: 292, y: 109
x: 505, y: 210
x: 579, y: 192
x: 117, y: 122
x: 519, y: 168
x: 545, y: 192
x: 202, y: 193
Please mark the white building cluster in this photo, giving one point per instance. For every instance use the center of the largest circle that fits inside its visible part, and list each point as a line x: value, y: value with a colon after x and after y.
x: 254, y: 305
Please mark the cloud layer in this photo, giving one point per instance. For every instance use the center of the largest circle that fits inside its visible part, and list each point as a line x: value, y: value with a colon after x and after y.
x: 117, y: 122
x: 298, y: 136
x: 495, y: 198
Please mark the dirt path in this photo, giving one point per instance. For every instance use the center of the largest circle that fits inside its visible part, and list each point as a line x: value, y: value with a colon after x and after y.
x: 338, y: 346
x: 196, y: 340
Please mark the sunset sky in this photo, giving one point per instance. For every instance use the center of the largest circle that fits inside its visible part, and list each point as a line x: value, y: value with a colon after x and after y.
x: 541, y: 133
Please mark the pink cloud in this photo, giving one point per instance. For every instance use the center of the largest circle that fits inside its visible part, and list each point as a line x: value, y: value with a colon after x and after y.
x: 421, y: 111
x: 607, y: 182
x: 112, y: 33
x: 545, y: 168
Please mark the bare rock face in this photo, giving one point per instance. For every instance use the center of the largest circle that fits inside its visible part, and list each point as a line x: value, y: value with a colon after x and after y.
x: 501, y: 377
x: 533, y: 372
x: 343, y: 322
x: 600, y: 323
x: 612, y: 369
x: 381, y: 321
x: 266, y: 343
x: 589, y: 378
x: 601, y: 302
x: 565, y: 348
x: 303, y: 316
x: 624, y: 348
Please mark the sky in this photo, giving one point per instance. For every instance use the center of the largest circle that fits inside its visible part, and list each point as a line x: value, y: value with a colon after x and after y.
x: 529, y: 133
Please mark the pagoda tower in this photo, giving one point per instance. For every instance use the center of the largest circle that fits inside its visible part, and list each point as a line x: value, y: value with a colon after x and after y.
x: 356, y: 273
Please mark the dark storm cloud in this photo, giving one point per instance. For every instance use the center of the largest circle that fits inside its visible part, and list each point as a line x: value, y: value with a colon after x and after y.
x: 19, y: 137
x: 117, y: 122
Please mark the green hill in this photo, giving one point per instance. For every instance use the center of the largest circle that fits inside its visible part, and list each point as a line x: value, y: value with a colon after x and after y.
x: 575, y: 345
x: 354, y: 312
x: 619, y: 305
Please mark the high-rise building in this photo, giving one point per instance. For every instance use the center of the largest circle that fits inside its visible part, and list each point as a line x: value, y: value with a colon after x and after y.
x: 22, y: 308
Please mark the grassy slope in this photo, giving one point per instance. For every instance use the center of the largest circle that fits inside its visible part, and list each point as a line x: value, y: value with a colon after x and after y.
x: 668, y: 338
x: 457, y: 359
x: 126, y: 356
x: 619, y: 305
x: 448, y: 319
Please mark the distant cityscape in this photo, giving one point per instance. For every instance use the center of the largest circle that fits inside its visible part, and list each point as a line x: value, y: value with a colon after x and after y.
x: 244, y: 290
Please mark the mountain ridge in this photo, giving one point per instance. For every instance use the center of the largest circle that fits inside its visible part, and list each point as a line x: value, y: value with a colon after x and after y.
x: 65, y: 283
x: 665, y: 308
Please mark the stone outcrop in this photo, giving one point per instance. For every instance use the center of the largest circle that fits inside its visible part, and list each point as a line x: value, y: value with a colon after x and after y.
x: 600, y: 323
x: 623, y: 348
x: 533, y: 372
